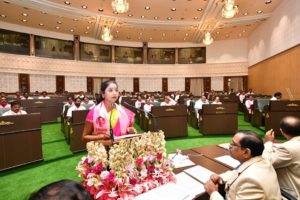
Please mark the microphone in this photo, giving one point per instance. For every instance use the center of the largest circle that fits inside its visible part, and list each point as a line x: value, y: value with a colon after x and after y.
x: 111, y: 133
x: 141, y: 110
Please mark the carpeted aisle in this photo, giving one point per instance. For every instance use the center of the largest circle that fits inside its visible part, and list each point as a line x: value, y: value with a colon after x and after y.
x: 59, y: 162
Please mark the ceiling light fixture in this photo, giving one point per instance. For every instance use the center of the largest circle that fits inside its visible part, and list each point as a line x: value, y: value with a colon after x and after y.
x: 229, y: 9
x: 67, y: 2
x: 41, y: 24
x: 25, y: 14
x: 57, y: 27
x: 24, y: 20
x: 207, y: 40
x: 120, y: 6
x: 84, y: 6
x: 106, y: 35
x: 3, y: 16
x: 259, y: 11
x: 173, y: 9
x: 147, y: 8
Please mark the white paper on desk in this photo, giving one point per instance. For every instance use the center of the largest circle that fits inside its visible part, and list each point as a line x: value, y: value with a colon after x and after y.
x: 200, y: 173
x: 228, y: 160
x: 224, y: 146
x: 126, y: 136
x: 185, y: 188
x: 189, y: 185
x: 167, y: 191
x: 179, y: 160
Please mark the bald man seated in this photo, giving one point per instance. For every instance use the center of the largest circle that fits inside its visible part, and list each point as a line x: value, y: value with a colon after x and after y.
x: 254, y: 178
x: 285, y: 157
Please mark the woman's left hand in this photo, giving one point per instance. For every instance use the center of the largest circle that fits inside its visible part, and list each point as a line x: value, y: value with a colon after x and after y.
x: 131, y: 130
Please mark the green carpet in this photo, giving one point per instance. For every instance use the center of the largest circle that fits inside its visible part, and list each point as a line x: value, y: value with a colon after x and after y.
x: 59, y: 162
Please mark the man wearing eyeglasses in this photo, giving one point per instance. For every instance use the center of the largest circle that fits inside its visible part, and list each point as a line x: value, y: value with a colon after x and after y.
x: 254, y: 178
x: 285, y: 157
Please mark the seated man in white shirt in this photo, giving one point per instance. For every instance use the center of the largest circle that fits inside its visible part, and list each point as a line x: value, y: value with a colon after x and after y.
x: 199, y: 103
x: 3, y: 103
x: 191, y: 99
x: 15, y: 109
x: 147, y: 107
x: 69, y: 104
x: 177, y: 96
x: 18, y: 96
x: 152, y: 98
x: 138, y: 102
x: 276, y: 96
x: 77, y: 106
x: 44, y: 95
x: 26, y: 96
x: 242, y: 96
x: 168, y: 101
x: 285, y: 157
x: 87, y: 103
x: 248, y: 103
x: 217, y: 100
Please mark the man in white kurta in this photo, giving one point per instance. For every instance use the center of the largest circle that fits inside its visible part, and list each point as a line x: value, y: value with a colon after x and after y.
x: 285, y: 157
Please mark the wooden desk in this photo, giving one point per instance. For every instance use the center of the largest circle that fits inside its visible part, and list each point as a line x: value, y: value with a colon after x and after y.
x: 206, y: 162
x: 170, y: 119
x: 76, y: 129
x: 48, y: 108
x: 218, y: 119
x: 20, y: 140
x: 278, y: 110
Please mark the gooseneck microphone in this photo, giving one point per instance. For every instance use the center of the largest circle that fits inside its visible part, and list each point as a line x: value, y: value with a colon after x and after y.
x: 111, y: 133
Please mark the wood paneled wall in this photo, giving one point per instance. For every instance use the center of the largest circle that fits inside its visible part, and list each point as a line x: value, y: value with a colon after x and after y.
x: 277, y: 73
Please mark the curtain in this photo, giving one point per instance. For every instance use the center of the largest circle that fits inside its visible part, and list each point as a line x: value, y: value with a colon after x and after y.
x: 197, y: 86
x: 236, y: 84
x: 97, y: 84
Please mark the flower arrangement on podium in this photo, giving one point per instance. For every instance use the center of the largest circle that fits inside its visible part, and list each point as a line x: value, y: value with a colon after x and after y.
x: 131, y: 167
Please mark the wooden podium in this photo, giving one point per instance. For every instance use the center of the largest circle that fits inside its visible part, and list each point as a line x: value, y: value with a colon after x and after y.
x: 170, y: 119
x: 76, y: 129
x: 218, y: 119
x: 278, y: 110
x: 20, y: 140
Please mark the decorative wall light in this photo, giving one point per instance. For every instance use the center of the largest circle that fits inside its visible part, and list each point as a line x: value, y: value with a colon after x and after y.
x: 207, y: 40
x: 106, y: 35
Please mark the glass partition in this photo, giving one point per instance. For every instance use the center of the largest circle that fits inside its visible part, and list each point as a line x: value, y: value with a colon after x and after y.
x: 14, y: 42
x: 95, y: 52
x: 53, y: 48
x: 161, y: 56
x: 129, y: 55
x: 192, y: 55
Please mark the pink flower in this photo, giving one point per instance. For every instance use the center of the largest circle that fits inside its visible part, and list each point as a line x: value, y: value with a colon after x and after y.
x: 151, y: 168
x: 133, y: 181
x: 98, y: 168
x: 139, y: 161
x: 104, y: 175
x: 159, y: 156
x: 110, y: 177
x: 144, y: 172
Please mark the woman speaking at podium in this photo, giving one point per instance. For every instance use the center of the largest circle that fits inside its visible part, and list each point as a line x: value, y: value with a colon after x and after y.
x: 108, y: 119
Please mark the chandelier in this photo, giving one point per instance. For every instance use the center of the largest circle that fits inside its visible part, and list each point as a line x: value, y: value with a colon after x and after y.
x: 106, y: 35
x: 229, y: 9
x: 207, y: 40
x: 120, y: 6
